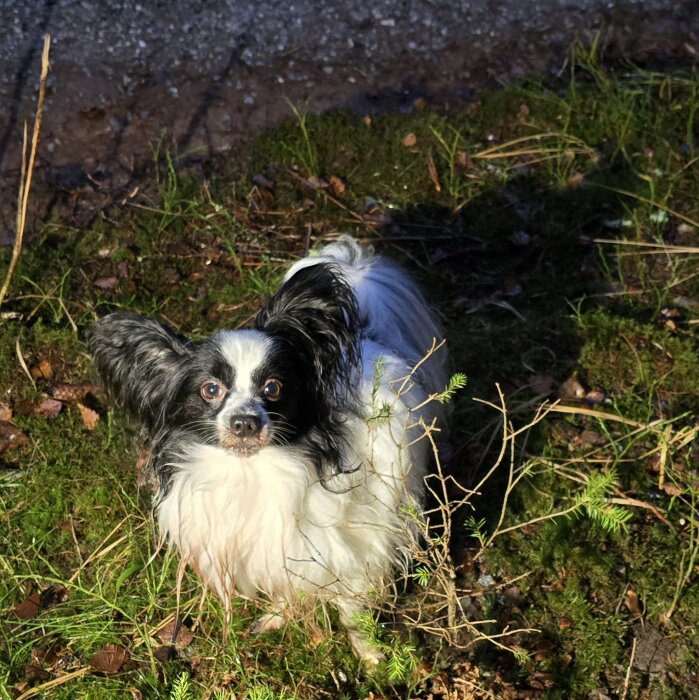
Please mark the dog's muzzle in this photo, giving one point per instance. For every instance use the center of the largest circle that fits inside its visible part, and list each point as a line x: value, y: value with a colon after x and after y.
x: 246, y: 433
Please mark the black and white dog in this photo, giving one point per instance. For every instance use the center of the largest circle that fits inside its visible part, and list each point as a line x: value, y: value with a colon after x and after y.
x: 290, y: 457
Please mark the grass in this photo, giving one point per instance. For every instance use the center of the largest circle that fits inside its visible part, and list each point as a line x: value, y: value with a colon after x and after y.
x: 554, y: 227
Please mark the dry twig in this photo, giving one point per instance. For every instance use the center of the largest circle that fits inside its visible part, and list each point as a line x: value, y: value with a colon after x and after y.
x: 27, y: 170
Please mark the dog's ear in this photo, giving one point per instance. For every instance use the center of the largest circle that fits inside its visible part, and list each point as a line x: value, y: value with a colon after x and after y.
x: 141, y: 364
x: 316, y: 313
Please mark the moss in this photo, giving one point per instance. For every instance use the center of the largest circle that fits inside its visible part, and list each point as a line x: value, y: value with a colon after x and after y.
x: 641, y: 367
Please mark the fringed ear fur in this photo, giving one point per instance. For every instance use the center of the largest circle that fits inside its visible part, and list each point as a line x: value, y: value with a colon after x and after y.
x: 316, y: 312
x: 140, y: 363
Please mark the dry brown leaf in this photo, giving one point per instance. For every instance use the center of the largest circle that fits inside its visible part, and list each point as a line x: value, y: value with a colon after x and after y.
x: 165, y: 653
x: 11, y: 437
x: 110, y: 658
x: 337, y: 186
x: 571, y: 389
x: 29, y: 607
x: 595, y: 397
x: 5, y: 412
x: 631, y: 601
x: 48, y: 408
x: 410, y: 140
x: 576, y: 180
x: 106, y: 282
x: 317, y: 637
x: 670, y: 489
x: 90, y: 417
x: 74, y: 392
x: 183, y: 639
x: 43, y: 370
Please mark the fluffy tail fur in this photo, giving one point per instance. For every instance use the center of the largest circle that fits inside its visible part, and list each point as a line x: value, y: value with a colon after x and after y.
x: 392, y: 309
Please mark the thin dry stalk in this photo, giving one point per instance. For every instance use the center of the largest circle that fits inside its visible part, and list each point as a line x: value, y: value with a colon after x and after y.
x: 627, y: 679
x: 27, y: 170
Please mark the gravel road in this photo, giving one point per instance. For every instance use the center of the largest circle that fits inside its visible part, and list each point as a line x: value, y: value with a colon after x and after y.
x: 208, y: 73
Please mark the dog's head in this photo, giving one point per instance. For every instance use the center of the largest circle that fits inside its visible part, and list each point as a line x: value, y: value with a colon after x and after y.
x: 291, y: 377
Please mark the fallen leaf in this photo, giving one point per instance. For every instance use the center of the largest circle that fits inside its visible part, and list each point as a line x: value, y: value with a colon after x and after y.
x: 34, y: 674
x: 410, y: 140
x: 110, y: 658
x: 90, y: 417
x: 43, y: 370
x: 29, y: 607
x: 589, y: 438
x: 571, y: 389
x: 106, y: 282
x: 74, y: 392
x: 11, y: 436
x: 317, y: 637
x: 576, y: 180
x: 48, y: 408
x: 564, y: 623
x: 631, y: 601
x: 179, y: 635
x: 670, y: 489
x: 337, y: 186
x: 165, y: 653
x: 595, y: 397
x: 5, y: 412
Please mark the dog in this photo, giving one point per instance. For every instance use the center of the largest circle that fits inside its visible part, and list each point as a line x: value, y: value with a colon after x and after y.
x: 290, y: 457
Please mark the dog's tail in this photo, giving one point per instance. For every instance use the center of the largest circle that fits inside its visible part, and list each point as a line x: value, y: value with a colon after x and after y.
x: 393, y: 311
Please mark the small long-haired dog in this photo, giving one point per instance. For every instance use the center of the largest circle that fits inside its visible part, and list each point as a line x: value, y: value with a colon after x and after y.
x: 290, y: 457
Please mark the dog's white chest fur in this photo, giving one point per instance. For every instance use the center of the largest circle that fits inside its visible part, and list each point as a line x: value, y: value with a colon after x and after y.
x: 265, y: 524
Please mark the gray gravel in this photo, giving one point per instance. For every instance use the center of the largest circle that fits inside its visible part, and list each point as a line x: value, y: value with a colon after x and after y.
x: 208, y: 73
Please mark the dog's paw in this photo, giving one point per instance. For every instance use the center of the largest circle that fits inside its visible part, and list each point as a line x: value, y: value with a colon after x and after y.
x: 267, y: 623
x: 369, y: 655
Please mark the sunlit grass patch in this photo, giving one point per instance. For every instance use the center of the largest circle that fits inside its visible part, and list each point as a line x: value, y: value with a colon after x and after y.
x: 555, y: 229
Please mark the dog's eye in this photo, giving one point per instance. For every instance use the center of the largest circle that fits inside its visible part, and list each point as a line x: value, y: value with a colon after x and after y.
x: 211, y: 391
x: 272, y: 389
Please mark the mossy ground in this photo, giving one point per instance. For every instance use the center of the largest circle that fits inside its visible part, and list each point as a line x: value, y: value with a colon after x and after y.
x: 497, y: 209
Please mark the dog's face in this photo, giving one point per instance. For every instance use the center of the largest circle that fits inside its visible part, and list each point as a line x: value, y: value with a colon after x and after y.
x: 292, y: 377
x: 244, y: 390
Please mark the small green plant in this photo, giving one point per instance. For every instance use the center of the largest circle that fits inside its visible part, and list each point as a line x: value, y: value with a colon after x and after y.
x: 306, y: 153
x: 401, y: 656
x: 456, y: 382
x: 594, y: 501
x: 182, y: 688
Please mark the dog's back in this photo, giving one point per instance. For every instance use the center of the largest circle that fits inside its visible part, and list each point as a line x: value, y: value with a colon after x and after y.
x: 393, y: 310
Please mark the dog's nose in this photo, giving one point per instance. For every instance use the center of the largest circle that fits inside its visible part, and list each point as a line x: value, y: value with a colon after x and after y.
x: 245, y: 426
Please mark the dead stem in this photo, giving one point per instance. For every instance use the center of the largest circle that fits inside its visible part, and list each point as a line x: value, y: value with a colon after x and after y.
x: 27, y: 170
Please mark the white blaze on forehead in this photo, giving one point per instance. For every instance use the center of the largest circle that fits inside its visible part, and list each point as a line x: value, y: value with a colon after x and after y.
x: 245, y: 351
